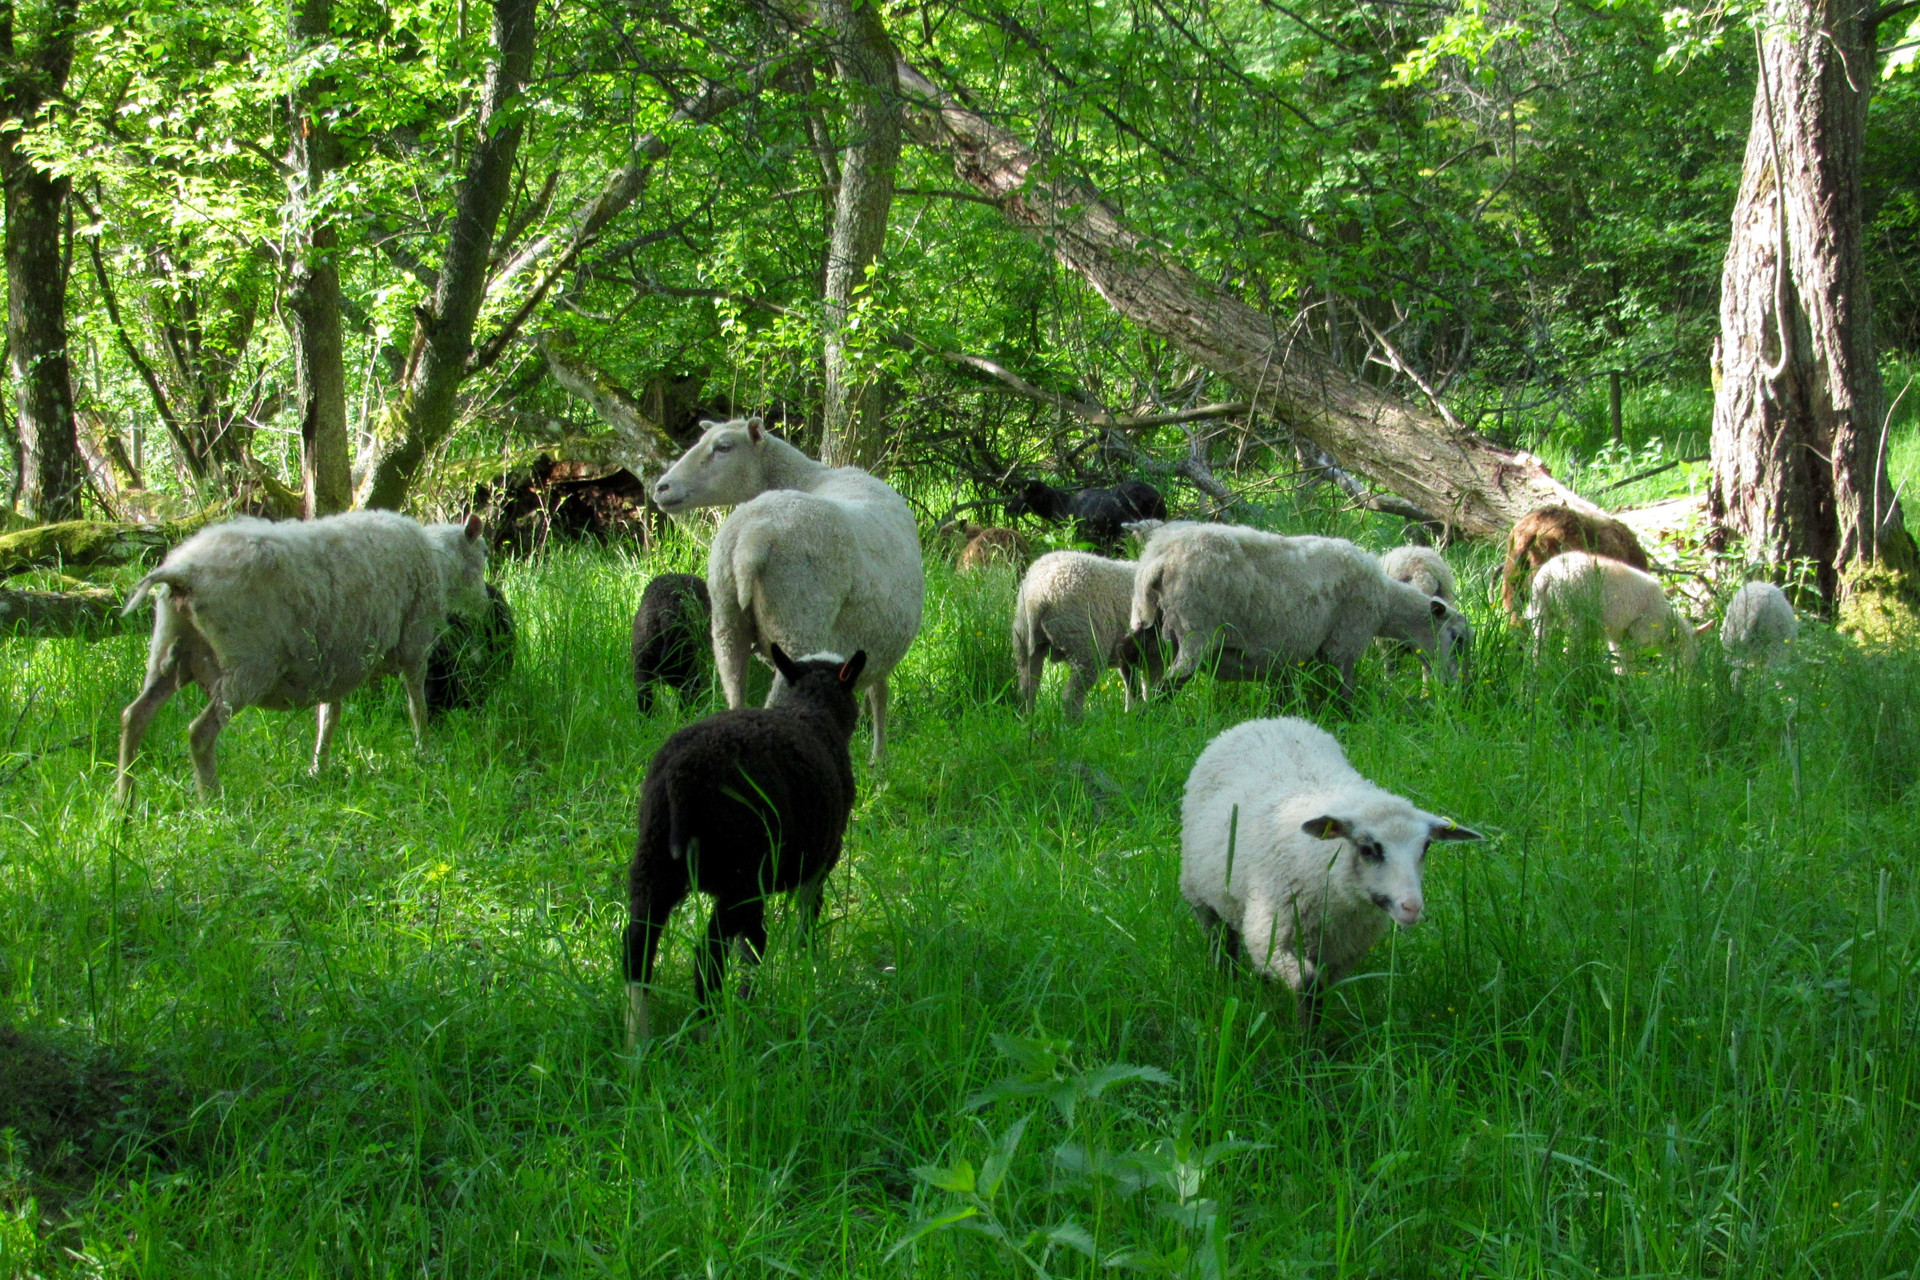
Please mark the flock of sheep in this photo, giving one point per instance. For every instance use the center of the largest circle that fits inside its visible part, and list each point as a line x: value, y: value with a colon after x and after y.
x: 1298, y: 859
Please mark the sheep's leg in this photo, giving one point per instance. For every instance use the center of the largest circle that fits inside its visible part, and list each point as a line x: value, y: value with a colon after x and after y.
x: 877, y: 708
x: 163, y: 681
x: 732, y: 651
x: 807, y: 901
x: 328, y: 714
x: 649, y: 906
x: 201, y: 736
x: 1030, y: 666
x: 745, y: 920
x: 416, y: 682
x: 1080, y: 678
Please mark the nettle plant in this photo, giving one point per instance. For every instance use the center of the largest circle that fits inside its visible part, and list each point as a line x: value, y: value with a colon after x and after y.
x: 1152, y: 1196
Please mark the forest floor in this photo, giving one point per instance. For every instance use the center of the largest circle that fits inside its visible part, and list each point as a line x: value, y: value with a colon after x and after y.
x: 1662, y: 1022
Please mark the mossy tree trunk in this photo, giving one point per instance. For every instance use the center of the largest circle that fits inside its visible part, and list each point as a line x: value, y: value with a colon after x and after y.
x: 1800, y: 418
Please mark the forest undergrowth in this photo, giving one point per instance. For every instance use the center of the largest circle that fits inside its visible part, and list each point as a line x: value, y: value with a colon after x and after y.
x: 1662, y: 1022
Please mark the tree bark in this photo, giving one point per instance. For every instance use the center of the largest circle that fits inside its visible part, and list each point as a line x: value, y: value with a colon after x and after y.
x: 443, y: 332
x: 864, y: 59
x: 80, y: 543
x: 94, y: 612
x: 1473, y: 484
x: 1799, y: 420
x: 645, y: 446
x: 52, y: 472
x: 313, y: 286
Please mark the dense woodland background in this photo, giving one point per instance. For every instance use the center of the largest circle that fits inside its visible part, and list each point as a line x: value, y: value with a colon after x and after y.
x: 576, y: 229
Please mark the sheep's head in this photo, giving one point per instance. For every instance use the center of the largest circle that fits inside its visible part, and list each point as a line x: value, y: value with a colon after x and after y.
x: 724, y: 468
x: 1385, y: 854
x: 1437, y: 630
x: 1453, y: 639
x: 823, y: 678
x: 463, y: 564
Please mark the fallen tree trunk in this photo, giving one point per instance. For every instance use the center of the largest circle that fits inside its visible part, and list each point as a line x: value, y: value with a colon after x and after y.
x: 90, y: 613
x: 1464, y: 479
x: 79, y: 544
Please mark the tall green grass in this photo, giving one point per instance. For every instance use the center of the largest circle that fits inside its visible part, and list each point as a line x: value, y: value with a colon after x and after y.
x: 1662, y: 1022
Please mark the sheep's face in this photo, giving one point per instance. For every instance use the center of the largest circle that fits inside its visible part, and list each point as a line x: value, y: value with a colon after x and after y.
x: 1385, y: 854
x: 725, y: 467
x: 463, y: 564
x: 1453, y: 639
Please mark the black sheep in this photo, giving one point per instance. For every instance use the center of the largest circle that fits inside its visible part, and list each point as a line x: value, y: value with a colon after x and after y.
x: 1097, y: 514
x: 670, y: 638
x: 741, y: 805
x: 471, y: 657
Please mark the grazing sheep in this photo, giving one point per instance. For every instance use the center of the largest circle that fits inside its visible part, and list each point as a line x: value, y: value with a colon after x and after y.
x: 1245, y: 602
x: 989, y: 545
x: 741, y: 805
x: 1097, y: 514
x: 669, y: 638
x: 1073, y: 608
x: 1758, y: 626
x: 1303, y: 862
x: 1421, y: 567
x: 1593, y: 596
x: 1546, y: 532
x: 471, y: 658
x: 814, y: 558
x: 297, y: 614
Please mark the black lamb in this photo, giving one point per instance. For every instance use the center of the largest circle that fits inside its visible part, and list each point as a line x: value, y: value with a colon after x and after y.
x: 670, y: 638
x: 741, y: 805
x: 473, y: 655
x: 1097, y: 514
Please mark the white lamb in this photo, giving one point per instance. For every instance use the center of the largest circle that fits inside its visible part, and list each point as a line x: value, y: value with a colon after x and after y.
x: 1758, y: 626
x: 1244, y: 602
x: 813, y: 558
x: 1302, y: 861
x: 1592, y: 596
x: 1421, y: 567
x: 1073, y: 608
x: 297, y: 614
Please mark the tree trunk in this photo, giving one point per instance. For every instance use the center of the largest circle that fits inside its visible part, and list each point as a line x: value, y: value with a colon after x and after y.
x: 52, y: 472
x: 443, y: 333
x: 1799, y: 421
x: 645, y: 447
x: 74, y: 544
x: 1466, y: 480
x: 93, y: 612
x: 313, y: 289
x: 864, y: 59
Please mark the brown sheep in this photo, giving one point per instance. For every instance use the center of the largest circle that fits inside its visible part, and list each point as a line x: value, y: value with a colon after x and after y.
x: 988, y: 545
x: 1545, y: 532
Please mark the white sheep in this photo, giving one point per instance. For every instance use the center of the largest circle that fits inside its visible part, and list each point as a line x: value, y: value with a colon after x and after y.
x: 1303, y: 862
x: 1244, y: 602
x: 297, y: 614
x: 1592, y: 597
x: 1421, y: 567
x: 812, y: 558
x: 1073, y: 608
x: 1758, y: 626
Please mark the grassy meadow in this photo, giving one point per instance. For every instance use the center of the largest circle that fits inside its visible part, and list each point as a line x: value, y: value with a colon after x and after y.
x: 1663, y: 1022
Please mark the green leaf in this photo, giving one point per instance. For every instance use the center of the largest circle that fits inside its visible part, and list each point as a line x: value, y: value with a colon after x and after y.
x: 927, y: 1226
x: 958, y: 1179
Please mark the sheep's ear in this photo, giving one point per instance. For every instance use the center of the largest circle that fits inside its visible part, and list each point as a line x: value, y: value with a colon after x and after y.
x: 850, y: 669
x: 1447, y: 829
x: 473, y: 527
x: 755, y: 429
x: 1439, y: 608
x: 707, y: 424
x: 783, y: 664
x: 1326, y: 827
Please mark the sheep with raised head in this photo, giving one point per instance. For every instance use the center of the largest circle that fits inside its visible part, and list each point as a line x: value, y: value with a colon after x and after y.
x: 812, y: 558
x: 1097, y: 515
x: 298, y: 614
x: 1549, y: 531
x: 1421, y: 567
x: 1243, y: 603
x: 1073, y: 608
x: 741, y: 805
x: 1297, y: 858
x: 670, y: 630
x: 1758, y: 626
x: 1594, y: 597
x: 472, y: 657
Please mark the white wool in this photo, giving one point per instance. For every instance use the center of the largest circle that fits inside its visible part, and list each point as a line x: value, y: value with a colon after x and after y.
x: 1241, y: 602
x: 1759, y: 625
x: 1304, y: 907
x: 1421, y: 567
x: 812, y: 558
x: 1588, y: 594
x: 1072, y: 608
x: 298, y: 614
